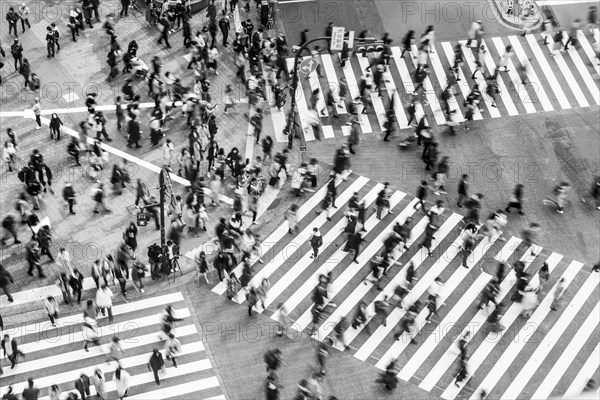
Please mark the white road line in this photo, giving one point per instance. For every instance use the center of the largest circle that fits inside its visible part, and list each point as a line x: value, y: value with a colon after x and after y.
x: 377, y: 102
x: 249, y: 154
x: 504, y: 93
x: 302, y: 105
x: 526, y: 100
x: 390, y: 86
x: 342, y: 280
x: 405, y: 78
x: 480, y: 356
x: 587, y: 329
x: 531, y: 75
x: 424, y: 350
x: 180, y: 390
x: 304, y: 291
x: 463, y: 84
x: 313, y: 80
x: 568, y: 75
x: 377, y: 337
x: 551, y: 338
x: 129, y: 362
x: 266, y: 245
x: 541, y: 59
x: 430, y: 93
x: 77, y: 335
x: 442, y: 78
x: 327, y: 131
x: 334, y: 84
x: 303, y: 263
x: 583, y: 71
x: 300, y: 239
x: 588, y: 50
x: 124, y: 308
x: 360, y: 291
x: 365, y: 125
x: 484, y: 350
x: 78, y: 355
x: 449, y: 356
x: 455, y: 280
x: 585, y: 373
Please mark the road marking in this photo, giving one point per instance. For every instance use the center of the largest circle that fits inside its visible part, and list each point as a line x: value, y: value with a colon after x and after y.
x: 302, y: 105
x: 504, y: 93
x: 584, y: 374
x: 365, y: 125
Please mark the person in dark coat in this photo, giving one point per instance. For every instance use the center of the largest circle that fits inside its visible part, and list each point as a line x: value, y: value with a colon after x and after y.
x: 133, y: 131
x: 83, y: 386
x: 6, y: 279
x: 427, y: 242
x: 156, y: 363
x: 55, y: 126
x: 9, y: 226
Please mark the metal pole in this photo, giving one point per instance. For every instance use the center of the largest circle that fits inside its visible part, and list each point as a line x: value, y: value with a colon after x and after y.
x: 291, y: 121
x: 162, y: 189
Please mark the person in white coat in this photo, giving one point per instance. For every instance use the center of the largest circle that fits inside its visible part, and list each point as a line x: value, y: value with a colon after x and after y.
x: 51, y: 307
x: 104, y: 301
x: 167, y: 151
x: 98, y: 381
x: 121, y: 380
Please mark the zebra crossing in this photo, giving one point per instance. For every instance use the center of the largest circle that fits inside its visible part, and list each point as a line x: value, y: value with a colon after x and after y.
x: 54, y: 355
x: 555, y: 81
x: 545, y: 355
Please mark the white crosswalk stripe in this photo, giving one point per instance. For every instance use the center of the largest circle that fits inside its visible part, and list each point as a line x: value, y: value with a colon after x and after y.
x: 431, y: 361
x: 55, y: 355
x: 544, y: 91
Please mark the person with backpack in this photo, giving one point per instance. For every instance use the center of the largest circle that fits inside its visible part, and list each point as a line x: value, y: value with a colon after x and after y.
x: 16, y: 49
x: 316, y: 241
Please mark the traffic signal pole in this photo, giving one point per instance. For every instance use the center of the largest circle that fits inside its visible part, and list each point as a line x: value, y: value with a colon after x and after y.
x: 162, y: 186
x: 291, y: 121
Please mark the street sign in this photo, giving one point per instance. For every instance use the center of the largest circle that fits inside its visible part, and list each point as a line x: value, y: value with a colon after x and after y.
x: 303, y: 149
x: 351, y: 40
x: 308, y: 66
x: 337, y: 38
x: 142, y: 219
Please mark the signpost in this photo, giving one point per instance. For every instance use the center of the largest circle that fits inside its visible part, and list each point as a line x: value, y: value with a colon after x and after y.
x: 308, y: 66
x: 337, y: 38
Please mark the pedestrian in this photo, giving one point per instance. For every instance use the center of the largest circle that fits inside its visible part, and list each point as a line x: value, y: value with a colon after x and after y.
x: 33, y: 253
x: 11, y: 350
x: 573, y: 34
x: 202, y: 268
x: 31, y: 393
x: 99, y: 381
x: 104, y: 301
x: 55, y: 393
x: 173, y: 348
x: 133, y: 133
x: 50, y: 42
x: 251, y: 298
x: 116, y: 351
x: 316, y: 241
x: 121, y: 379
x: 6, y: 279
x: 225, y: 26
x: 37, y: 107
x: 76, y: 284
x: 90, y: 332
x: 9, y: 228
x: 55, y: 126
x: 322, y: 355
x: 381, y: 309
x: 505, y: 59
x: 45, y: 239
x: 292, y: 218
x: 138, y: 272
x: 428, y: 240
x: 434, y: 293
x: 98, y: 197
x: 24, y: 13
x: 232, y: 283
x: 463, y: 190
x: 16, y: 49
x: 558, y: 292
x: 164, y: 26
x: 559, y: 194
x: 82, y: 385
x: 516, y: 199
x: 52, y: 309
x: 12, y: 18
x: 156, y: 364
x: 167, y: 152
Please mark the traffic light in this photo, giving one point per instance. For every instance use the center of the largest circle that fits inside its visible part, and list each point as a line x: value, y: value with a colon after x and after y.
x: 369, y: 45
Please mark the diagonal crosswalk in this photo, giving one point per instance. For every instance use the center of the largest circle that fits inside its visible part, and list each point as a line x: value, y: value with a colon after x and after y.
x: 54, y: 355
x: 554, y: 81
x: 495, y: 358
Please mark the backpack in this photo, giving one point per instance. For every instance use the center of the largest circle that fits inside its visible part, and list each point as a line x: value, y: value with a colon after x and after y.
x: 98, y: 195
x: 56, y: 33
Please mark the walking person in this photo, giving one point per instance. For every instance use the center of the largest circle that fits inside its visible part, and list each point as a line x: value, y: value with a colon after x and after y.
x: 202, y: 268
x: 138, y: 272
x: 11, y: 350
x: 434, y: 293
x: 116, y: 351
x: 99, y: 382
x: 558, y: 292
x: 90, y: 332
x: 559, y: 193
x: 12, y: 18
x: 33, y: 253
x: 121, y: 379
x: 37, y: 107
x: 516, y: 199
x: 173, y: 347
x: 316, y: 241
x: 52, y: 309
x: 572, y: 34
x: 156, y: 364
x: 6, y: 279
x: 104, y: 301
x: 463, y: 190
x: 45, y: 239
x: 82, y: 385
x: 24, y: 13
